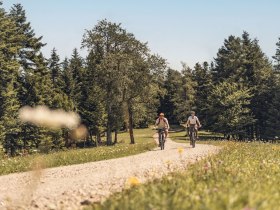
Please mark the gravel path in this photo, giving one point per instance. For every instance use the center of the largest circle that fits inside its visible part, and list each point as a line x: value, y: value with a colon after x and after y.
x: 71, y: 187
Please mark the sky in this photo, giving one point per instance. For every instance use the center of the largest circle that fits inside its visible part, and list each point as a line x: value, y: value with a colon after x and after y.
x: 187, y: 31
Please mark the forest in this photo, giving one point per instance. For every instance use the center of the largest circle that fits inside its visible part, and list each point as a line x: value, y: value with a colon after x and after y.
x: 121, y: 85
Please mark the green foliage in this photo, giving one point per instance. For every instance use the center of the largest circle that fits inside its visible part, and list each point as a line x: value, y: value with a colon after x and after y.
x: 242, y: 61
x: 172, y: 84
x: 241, y: 176
x: 179, y: 99
x: 123, y: 68
x: 120, y: 85
x: 10, y: 127
x: 203, y: 78
x: 273, y: 116
x: 26, y: 80
x: 228, y: 104
x: 276, y: 57
x: 55, y: 69
x: 186, y: 97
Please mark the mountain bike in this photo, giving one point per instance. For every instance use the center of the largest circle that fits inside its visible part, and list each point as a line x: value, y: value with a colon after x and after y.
x: 192, y: 136
x: 161, y: 138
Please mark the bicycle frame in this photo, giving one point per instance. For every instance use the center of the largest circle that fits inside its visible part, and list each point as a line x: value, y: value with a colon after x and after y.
x: 161, y: 138
x: 192, y: 135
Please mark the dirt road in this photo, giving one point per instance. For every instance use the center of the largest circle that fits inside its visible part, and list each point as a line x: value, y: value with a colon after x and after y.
x: 69, y: 187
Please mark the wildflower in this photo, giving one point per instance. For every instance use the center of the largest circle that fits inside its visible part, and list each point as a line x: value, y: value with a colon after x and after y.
x: 207, y: 166
x: 133, y: 181
x: 180, y: 150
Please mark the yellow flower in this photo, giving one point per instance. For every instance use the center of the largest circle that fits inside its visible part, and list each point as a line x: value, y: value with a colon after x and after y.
x: 180, y: 150
x: 133, y: 181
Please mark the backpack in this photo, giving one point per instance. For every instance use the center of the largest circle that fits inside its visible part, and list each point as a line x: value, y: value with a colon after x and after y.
x: 164, y: 120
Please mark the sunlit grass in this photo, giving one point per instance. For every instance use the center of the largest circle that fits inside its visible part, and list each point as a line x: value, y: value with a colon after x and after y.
x: 243, y: 176
x: 181, y: 136
x: 143, y: 138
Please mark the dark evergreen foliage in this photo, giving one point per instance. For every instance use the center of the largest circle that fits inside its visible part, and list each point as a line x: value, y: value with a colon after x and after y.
x: 121, y: 85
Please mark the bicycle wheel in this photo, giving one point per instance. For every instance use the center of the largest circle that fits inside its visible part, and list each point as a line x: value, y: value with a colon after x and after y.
x: 190, y: 138
x: 161, y: 142
x: 193, y: 139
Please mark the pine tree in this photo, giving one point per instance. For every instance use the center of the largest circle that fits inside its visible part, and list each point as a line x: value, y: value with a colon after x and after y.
x: 203, y: 78
x: 229, y: 109
x: 92, y: 110
x: 55, y: 69
x: 185, y: 100
x: 273, y: 116
x: 9, y: 70
x: 241, y: 60
x: 30, y: 45
x: 11, y: 124
x: 76, y: 71
x: 44, y: 93
x: 276, y: 58
x: 273, y: 112
x: 172, y: 84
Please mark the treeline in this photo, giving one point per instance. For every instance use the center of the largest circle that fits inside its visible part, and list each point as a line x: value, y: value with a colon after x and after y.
x: 121, y: 85
x: 238, y: 94
x: 116, y: 87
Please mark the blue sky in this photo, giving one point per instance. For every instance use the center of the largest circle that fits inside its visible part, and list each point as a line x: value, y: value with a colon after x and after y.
x: 179, y: 30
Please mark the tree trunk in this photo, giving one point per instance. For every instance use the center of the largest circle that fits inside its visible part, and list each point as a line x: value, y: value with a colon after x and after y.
x: 252, y: 132
x: 130, y: 124
x: 109, y: 125
x: 109, y: 134
x: 116, y: 137
x: 98, y: 138
x: 257, y: 132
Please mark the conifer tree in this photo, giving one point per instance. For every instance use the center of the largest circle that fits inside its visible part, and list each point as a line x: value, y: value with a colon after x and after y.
x: 241, y: 60
x: 276, y: 58
x: 172, y: 84
x: 185, y: 101
x: 9, y: 70
x: 203, y: 78
x: 229, y: 108
x: 55, y: 69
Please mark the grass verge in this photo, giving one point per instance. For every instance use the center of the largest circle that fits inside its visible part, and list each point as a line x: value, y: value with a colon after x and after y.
x: 144, y: 142
x: 179, y: 136
x: 243, y: 176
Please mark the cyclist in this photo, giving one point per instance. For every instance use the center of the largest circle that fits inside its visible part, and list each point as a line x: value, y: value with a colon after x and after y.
x: 193, y: 121
x: 162, y: 123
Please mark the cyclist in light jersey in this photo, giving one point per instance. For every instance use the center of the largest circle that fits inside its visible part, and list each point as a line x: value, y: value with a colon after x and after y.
x: 193, y: 121
x: 162, y: 123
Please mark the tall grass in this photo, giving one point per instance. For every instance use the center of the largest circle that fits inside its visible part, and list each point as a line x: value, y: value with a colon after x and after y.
x: 243, y: 176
